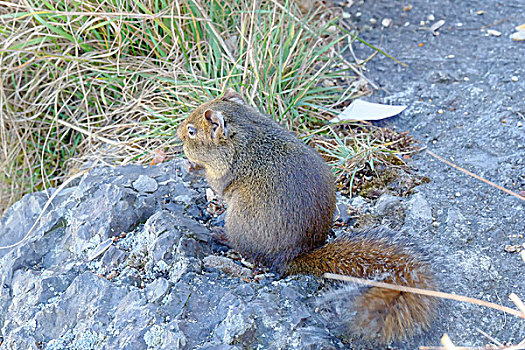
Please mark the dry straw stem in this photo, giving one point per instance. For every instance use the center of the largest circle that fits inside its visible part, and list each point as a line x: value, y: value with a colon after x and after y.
x: 517, y: 301
x: 520, y: 346
x: 475, y: 176
x: 109, y: 81
x: 427, y: 292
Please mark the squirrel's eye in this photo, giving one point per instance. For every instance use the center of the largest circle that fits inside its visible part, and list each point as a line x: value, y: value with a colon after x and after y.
x: 192, y: 131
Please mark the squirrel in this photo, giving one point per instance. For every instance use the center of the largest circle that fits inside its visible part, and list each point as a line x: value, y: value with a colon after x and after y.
x: 281, y: 197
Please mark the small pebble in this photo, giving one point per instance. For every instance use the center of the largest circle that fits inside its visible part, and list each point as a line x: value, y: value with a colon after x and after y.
x: 145, y: 184
x: 373, y: 20
x: 451, y: 56
x: 346, y: 15
x: 386, y: 22
x: 520, y: 124
x: 407, y: 24
x: 458, y: 194
x: 514, y: 78
x: 210, y: 195
x: 493, y: 32
x: 440, y: 111
x: 431, y: 18
x: 422, y: 23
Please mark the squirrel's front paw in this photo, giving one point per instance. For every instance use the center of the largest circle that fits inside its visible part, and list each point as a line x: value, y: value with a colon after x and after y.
x: 220, y: 236
x: 193, y: 168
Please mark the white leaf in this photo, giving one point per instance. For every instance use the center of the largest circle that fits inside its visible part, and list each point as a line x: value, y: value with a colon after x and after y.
x: 362, y: 110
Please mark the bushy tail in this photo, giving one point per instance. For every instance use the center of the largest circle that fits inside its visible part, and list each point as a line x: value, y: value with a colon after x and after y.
x: 390, y: 314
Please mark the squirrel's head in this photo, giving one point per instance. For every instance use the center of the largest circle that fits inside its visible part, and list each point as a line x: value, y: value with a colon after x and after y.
x: 208, y: 134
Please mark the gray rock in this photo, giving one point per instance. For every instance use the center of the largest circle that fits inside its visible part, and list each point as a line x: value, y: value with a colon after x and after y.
x: 386, y: 203
x: 148, y: 288
x: 419, y: 209
x: 157, y: 289
x: 341, y: 212
x: 227, y: 266
x: 358, y: 202
x: 145, y: 184
x: 113, y: 257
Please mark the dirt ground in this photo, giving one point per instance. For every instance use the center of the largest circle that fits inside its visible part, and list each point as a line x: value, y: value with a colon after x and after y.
x: 465, y: 91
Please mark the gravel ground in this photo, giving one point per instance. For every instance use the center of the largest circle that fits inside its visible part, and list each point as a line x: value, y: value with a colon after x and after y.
x: 465, y: 90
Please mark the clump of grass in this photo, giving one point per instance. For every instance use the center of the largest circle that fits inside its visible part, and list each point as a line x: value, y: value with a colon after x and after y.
x: 111, y: 80
x: 367, y: 159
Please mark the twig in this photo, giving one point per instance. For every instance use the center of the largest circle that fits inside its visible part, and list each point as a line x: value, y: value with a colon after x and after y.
x: 431, y: 293
x: 517, y: 301
x: 492, y: 339
x: 475, y: 176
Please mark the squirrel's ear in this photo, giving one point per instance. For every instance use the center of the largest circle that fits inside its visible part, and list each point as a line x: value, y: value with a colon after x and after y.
x: 218, y: 126
x: 233, y: 96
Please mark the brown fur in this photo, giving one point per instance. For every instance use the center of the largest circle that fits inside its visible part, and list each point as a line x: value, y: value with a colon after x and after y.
x: 281, y: 199
x: 391, y: 314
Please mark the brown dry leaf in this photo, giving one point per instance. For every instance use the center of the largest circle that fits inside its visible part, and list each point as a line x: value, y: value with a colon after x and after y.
x: 159, y: 157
